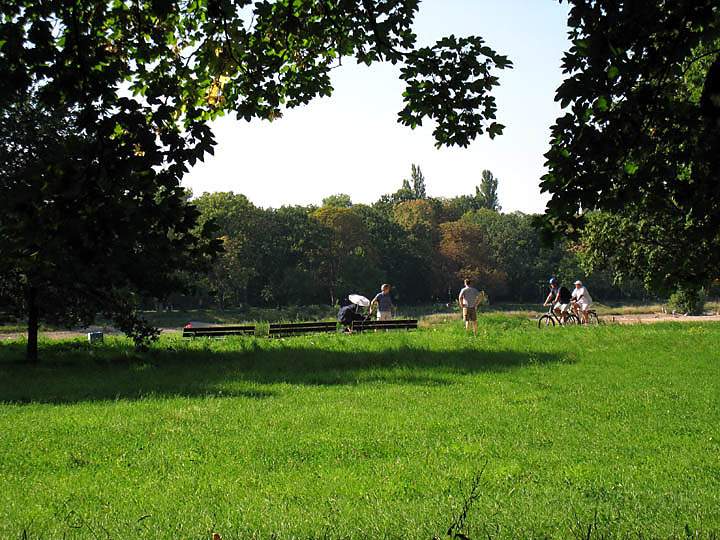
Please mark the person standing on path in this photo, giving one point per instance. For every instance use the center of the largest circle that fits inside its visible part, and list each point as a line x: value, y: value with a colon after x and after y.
x: 468, y: 300
x: 384, y: 303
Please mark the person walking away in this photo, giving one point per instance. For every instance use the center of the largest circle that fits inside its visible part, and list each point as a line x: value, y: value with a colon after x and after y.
x: 582, y: 300
x: 468, y: 299
x: 384, y: 303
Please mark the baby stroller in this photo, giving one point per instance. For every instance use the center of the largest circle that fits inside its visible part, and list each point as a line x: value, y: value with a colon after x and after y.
x: 351, y: 311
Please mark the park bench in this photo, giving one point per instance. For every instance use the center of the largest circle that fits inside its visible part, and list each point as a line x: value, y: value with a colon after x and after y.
x: 218, y: 331
x: 292, y: 329
x: 397, y: 324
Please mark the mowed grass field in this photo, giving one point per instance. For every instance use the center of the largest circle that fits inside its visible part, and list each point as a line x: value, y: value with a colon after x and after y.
x: 607, y: 432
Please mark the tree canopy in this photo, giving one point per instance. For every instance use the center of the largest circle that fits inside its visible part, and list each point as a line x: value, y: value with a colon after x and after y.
x: 141, y: 79
x: 310, y: 255
x: 641, y: 135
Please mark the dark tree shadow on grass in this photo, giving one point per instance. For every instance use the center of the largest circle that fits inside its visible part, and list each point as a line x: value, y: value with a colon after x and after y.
x: 72, y: 372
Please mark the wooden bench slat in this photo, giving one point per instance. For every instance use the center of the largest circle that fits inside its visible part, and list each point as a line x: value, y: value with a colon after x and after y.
x: 303, y: 329
x: 325, y: 324
x: 287, y: 329
x: 218, y: 328
x: 396, y: 324
x: 216, y: 331
x: 375, y: 321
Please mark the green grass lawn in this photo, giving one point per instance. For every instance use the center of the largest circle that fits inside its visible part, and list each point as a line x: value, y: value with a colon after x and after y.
x: 611, y: 431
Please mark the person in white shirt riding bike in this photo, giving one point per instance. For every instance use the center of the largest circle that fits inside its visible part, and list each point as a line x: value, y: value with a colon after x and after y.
x: 581, y: 301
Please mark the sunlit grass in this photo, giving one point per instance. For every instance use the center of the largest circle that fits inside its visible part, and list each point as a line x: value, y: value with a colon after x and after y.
x: 367, y: 436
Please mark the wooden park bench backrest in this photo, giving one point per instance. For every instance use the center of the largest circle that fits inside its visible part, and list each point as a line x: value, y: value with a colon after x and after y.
x: 288, y: 329
x: 396, y: 324
x: 219, y: 331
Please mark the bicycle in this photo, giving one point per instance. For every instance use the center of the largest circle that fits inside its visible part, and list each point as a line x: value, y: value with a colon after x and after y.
x: 593, y: 318
x: 551, y: 319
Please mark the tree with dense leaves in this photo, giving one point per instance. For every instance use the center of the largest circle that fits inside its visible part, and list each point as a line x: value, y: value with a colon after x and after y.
x: 418, y: 182
x: 290, y: 248
x: 231, y: 213
x: 630, y: 249
x: 418, y: 220
x: 143, y: 78
x: 346, y: 243
x: 397, y: 257
x: 239, y: 225
x: 417, y: 217
x: 641, y: 138
x: 340, y: 200
x: 230, y: 274
x: 486, y: 194
x: 286, y: 250
x: 465, y: 253
x: 81, y: 237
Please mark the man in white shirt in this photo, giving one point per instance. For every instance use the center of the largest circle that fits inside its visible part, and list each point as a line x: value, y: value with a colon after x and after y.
x: 581, y: 300
x: 468, y: 300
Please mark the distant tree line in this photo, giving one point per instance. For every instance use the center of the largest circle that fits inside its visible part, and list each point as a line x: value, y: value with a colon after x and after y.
x: 423, y: 245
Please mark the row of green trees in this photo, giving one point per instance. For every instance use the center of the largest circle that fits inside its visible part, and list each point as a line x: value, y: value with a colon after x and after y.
x: 104, y: 106
x: 423, y: 245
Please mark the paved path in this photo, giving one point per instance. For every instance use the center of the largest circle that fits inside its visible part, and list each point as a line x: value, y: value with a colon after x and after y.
x: 640, y: 318
x: 649, y: 318
x: 71, y: 334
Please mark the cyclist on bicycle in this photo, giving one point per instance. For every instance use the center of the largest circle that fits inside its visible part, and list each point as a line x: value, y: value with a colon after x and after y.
x: 559, y: 297
x: 582, y: 301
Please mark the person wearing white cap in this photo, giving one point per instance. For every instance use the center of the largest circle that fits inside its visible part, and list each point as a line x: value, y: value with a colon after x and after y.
x: 581, y: 300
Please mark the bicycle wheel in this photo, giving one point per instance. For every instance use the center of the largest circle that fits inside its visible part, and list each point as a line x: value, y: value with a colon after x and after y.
x: 546, y: 321
x: 571, y: 320
x: 593, y: 318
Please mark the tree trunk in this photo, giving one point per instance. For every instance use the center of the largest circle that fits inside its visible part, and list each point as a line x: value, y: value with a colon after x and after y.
x: 31, y: 353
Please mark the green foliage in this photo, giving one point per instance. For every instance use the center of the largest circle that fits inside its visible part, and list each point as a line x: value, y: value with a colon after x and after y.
x: 341, y: 200
x: 197, y: 60
x: 687, y: 300
x: 239, y: 223
x: 341, y: 254
x: 83, y: 235
x: 232, y: 214
x: 486, y: 194
x: 418, y: 182
x: 445, y: 69
x: 641, y: 133
x: 424, y: 247
x: 637, y: 252
x: 367, y: 436
x: 132, y: 85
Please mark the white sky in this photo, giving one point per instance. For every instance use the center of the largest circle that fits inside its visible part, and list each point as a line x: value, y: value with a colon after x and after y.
x: 351, y: 142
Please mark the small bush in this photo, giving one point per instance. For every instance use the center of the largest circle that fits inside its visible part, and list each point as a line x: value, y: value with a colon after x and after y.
x: 690, y: 300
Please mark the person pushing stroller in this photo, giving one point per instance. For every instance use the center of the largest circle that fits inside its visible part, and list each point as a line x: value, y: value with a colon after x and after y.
x: 351, y: 311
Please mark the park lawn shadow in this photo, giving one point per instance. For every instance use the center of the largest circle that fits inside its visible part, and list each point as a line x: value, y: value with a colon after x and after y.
x: 72, y: 373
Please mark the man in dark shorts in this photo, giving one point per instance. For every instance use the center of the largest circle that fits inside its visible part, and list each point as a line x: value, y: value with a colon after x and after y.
x: 468, y: 300
x: 559, y: 297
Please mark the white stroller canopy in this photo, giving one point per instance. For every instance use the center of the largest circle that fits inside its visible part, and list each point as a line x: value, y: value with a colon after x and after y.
x: 359, y: 300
